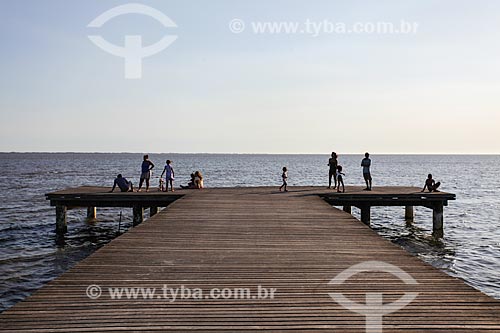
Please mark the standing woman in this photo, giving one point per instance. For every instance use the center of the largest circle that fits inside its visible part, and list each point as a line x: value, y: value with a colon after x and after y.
x: 332, y: 163
x: 146, y: 168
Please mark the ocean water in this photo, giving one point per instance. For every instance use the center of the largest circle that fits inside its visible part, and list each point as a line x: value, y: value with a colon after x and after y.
x: 30, y: 256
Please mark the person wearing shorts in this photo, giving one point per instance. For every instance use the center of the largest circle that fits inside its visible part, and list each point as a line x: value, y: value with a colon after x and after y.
x: 146, y: 168
x: 366, y: 163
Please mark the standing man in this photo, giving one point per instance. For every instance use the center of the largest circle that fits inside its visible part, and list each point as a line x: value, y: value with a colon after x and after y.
x: 146, y: 168
x: 366, y: 163
x: 332, y: 163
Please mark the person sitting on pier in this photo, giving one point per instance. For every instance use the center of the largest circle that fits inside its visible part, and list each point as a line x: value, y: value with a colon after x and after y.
x: 123, y: 184
x: 146, y: 168
x: 340, y: 179
x: 190, y: 185
x: 431, y: 184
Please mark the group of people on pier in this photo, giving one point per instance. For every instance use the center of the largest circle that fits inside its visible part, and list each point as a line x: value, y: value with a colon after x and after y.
x: 336, y: 173
x: 196, y: 182
x: 147, y: 166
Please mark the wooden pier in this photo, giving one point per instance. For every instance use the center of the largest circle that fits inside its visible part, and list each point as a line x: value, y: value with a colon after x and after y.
x: 90, y: 197
x: 294, y: 242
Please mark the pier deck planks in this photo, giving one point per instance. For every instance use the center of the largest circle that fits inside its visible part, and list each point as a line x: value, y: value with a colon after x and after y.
x: 244, y: 237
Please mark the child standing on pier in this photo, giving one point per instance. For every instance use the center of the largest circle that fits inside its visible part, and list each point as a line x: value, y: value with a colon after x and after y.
x: 340, y: 179
x: 169, y: 177
x: 284, y: 176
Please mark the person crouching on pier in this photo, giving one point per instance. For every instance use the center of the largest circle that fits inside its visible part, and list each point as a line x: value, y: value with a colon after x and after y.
x: 123, y: 184
x: 284, y: 176
x: 431, y: 184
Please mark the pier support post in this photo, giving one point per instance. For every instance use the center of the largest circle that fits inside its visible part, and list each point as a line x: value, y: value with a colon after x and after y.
x: 409, y: 213
x: 437, y: 220
x: 61, y: 226
x: 347, y: 209
x: 153, y: 211
x: 91, y: 213
x: 365, y: 214
x: 138, y: 212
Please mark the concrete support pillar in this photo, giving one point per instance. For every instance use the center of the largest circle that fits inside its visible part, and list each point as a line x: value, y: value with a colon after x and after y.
x: 409, y: 213
x: 61, y: 226
x: 365, y: 214
x: 91, y: 213
x: 153, y: 211
x: 138, y: 212
x: 437, y: 220
x: 347, y: 209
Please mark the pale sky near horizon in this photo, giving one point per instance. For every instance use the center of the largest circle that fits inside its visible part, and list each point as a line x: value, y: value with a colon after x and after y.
x: 436, y: 91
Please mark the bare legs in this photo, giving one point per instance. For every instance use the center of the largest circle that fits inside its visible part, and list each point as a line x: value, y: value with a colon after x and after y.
x: 171, y: 185
x: 341, y: 182
x: 141, y: 182
x: 330, y: 175
x: 284, y: 186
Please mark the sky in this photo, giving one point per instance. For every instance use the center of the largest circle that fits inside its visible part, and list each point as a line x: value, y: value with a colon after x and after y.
x: 436, y: 90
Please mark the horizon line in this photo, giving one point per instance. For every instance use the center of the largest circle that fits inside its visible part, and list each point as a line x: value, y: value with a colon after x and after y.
x: 237, y: 153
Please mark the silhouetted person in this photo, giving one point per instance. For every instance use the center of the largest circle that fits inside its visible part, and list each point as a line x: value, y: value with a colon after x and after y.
x: 340, y: 179
x: 431, y: 184
x: 332, y: 163
x: 168, y: 170
x: 366, y: 163
x: 146, y: 168
x: 123, y: 184
x: 191, y: 182
x: 284, y: 176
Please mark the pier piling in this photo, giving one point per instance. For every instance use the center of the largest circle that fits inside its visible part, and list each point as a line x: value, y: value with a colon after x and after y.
x: 437, y: 220
x: 61, y: 226
x: 409, y: 213
x: 91, y: 213
x: 365, y: 214
x: 138, y: 212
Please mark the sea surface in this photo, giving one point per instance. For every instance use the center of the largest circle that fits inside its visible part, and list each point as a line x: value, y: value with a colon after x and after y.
x: 30, y: 256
